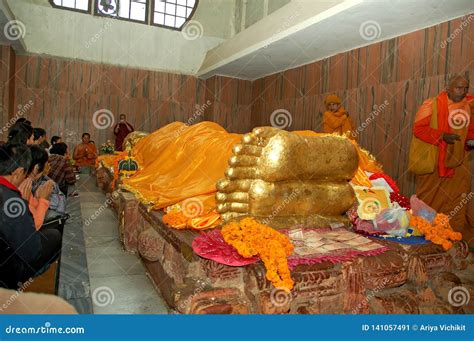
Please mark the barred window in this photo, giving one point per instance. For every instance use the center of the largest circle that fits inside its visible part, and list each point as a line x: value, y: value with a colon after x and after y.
x: 77, y: 5
x: 171, y: 14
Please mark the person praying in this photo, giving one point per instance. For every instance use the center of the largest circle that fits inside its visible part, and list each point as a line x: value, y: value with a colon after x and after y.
x: 336, y: 120
x: 85, y: 153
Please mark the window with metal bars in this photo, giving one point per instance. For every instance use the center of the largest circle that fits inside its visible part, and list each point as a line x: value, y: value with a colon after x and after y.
x: 171, y: 14
x: 75, y: 5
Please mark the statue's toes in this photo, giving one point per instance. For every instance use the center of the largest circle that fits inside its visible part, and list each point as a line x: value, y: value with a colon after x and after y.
x: 243, y: 161
x: 236, y: 207
x: 241, y: 197
x: 265, y: 132
x: 241, y: 173
x: 246, y: 149
x: 227, y: 185
x: 230, y: 215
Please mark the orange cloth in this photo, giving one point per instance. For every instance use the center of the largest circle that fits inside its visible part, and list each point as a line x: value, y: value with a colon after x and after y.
x: 338, y: 122
x: 38, y: 208
x: 178, y: 162
x: 85, y: 154
x: 446, y: 189
x: 109, y: 159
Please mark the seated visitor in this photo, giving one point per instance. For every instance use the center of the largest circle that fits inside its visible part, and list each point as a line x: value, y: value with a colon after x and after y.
x: 21, y: 133
x: 60, y: 169
x: 23, y: 120
x: 121, y: 130
x: 25, y: 252
x: 40, y: 137
x: 55, y: 139
x: 39, y: 200
x: 85, y: 153
x: 336, y: 119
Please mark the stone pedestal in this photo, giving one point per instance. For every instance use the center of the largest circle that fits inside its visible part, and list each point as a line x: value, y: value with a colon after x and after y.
x: 128, y: 220
x: 401, y: 280
x: 104, y: 179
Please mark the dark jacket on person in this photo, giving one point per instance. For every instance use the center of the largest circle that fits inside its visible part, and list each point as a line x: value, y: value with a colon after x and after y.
x: 20, y: 243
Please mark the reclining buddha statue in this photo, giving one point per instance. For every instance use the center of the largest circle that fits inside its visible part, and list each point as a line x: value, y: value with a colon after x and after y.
x: 289, y: 178
x: 292, y: 177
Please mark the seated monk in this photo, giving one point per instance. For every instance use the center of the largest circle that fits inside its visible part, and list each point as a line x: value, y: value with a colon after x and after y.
x: 85, y: 153
x: 336, y: 120
x: 178, y: 162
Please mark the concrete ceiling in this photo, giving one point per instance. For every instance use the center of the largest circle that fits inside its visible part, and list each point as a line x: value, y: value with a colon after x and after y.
x: 11, y: 32
x: 344, y: 27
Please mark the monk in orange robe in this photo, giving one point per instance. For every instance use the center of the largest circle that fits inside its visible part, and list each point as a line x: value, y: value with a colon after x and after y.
x: 336, y: 119
x: 85, y: 153
x: 447, y: 189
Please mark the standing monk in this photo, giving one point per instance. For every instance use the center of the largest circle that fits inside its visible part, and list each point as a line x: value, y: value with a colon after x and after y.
x: 85, y: 153
x: 450, y: 183
x: 121, y: 130
x: 336, y: 119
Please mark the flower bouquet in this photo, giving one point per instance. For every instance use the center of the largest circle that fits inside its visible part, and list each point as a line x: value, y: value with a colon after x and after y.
x: 107, y: 148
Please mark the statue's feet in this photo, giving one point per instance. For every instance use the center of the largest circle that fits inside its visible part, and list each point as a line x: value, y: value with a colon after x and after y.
x: 288, y: 178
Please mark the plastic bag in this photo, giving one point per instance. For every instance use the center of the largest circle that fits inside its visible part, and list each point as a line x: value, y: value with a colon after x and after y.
x: 420, y: 209
x: 393, y: 221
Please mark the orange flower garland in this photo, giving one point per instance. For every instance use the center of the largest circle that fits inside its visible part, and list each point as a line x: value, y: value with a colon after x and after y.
x: 177, y: 219
x: 440, y: 232
x: 251, y: 238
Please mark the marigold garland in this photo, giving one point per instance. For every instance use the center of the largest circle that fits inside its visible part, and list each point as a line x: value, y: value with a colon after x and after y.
x: 251, y: 238
x: 439, y: 232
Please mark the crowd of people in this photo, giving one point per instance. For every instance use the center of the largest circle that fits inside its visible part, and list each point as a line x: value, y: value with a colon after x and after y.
x: 34, y: 181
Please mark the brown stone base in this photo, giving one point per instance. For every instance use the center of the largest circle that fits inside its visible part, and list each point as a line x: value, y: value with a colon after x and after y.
x: 405, y: 279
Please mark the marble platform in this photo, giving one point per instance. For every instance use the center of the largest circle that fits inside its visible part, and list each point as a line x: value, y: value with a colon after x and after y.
x: 74, y: 285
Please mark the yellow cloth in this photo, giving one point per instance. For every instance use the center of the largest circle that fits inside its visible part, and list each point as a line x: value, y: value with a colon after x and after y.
x: 178, y: 162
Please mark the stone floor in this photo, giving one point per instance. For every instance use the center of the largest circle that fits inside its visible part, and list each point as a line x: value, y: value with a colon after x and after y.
x: 118, y: 280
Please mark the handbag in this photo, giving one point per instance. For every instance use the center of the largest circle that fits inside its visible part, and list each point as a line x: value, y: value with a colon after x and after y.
x: 423, y: 156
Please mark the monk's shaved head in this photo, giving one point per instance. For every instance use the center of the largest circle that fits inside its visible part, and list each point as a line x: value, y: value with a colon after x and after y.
x: 456, y: 78
x: 458, y: 87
